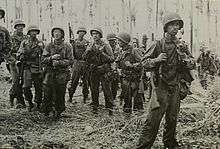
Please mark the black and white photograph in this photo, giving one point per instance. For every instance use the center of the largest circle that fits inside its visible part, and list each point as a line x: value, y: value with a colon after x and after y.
x: 109, y: 74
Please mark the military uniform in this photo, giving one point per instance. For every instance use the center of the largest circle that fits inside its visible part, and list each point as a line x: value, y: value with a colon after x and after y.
x: 130, y: 79
x: 206, y: 65
x: 115, y: 79
x: 79, y: 69
x: 30, y: 53
x: 99, y: 56
x: 5, y: 41
x: 166, y: 83
x: 16, y: 88
x: 56, y: 75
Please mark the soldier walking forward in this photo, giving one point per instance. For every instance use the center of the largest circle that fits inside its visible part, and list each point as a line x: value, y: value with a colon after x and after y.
x: 29, y: 54
x: 99, y: 56
x: 16, y: 69
x: 168, y: 61
x: 129, y: 63
x: 80, y: 67
x: 57, y: 59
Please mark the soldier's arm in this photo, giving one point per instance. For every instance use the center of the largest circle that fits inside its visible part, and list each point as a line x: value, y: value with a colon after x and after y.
x: 46, y: 56
x: 87, y: 53
x: 8, y: 44
x: 189, y: 62
x: 149, y: 60
x: 21, y: 51
x: 108, y: 54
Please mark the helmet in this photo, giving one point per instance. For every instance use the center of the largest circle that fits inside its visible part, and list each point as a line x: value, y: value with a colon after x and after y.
x: 59, y: 28
x: 111, y: 36
x: 18, y: 22
x: 3, y: 12
x: 33, y: 27
x: 125, y: 37
x: 170, y: 17
x: 81, y: 29
x: 97, y: 29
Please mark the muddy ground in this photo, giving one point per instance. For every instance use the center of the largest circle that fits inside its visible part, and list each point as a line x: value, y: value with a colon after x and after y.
x: 198, y: 123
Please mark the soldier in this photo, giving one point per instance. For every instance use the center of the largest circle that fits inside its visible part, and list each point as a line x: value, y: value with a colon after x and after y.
x: 5, y: 42
x: 168, y: 61
x: 29, y: 54
x: 115, y: 74
x: 79, y: 69
x: 99, y: 56
x: 16, y: 73
x: 129, y: 63
x: 205, y: 65
x: 57, y: 59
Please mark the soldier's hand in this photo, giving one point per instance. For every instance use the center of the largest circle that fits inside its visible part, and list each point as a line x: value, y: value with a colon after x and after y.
x: 128, y: 64
x: 162, y: 57
x: 55, y: 63
x: 55, y: 57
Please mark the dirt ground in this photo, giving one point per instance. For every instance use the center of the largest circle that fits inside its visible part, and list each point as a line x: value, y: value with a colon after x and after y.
x: 198, y: 123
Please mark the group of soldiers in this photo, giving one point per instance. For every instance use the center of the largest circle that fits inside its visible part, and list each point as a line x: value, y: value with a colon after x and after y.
x: 208, y: 66
x: 117, y: 60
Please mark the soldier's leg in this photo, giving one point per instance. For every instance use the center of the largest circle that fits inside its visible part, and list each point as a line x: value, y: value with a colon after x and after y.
x: 127, y: 96
x: 114, y: 88
x: 60, y: 98
x: 74, y: 81
x: 153, y: 120
x: 169, y: 136
x: 85, y: 87
x: 13, y: 89
x: 47, y: 103
x: 106, y: 86
x: 37, y: 80
x: 95, y: 83
x: 27, y: 88
x: 138, y: 100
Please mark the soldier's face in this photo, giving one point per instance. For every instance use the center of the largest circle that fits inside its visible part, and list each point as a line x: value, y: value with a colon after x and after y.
x: 19, y: 28
x: 96, y: 36
x: 33, y: 33
x: 112, y: 42
x: 57, y: 34
x: 81, y: 34
x: 172, y: 28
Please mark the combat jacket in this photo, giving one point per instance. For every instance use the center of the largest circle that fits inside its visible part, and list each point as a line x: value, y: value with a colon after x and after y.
x: 179, y: 62
x: 16, y: 40
x: 133, y: 57
x: 99, y: 56
x: 5, y: 43
x: 30, y: 53
x: 60, y: 72
x: 79, y: 47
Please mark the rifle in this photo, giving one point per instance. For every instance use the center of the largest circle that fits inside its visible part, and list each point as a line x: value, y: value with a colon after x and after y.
x: 20, y: 66
x: 71, y: 35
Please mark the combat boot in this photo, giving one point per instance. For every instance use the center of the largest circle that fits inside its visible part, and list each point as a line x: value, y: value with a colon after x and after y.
x: 30, y: 106
x: 11, y: 101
